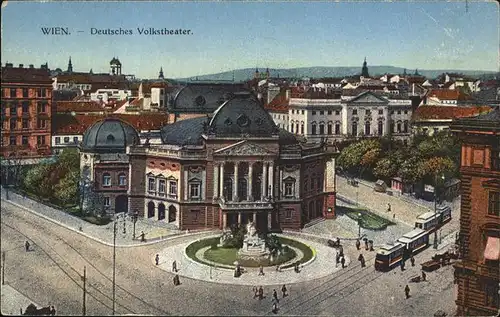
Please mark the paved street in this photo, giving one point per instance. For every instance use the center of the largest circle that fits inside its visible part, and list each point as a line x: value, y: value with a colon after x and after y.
x: 50, y: 274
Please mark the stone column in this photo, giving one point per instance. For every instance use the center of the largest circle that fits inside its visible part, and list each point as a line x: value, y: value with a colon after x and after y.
x: 264, y: 180
x: 280, y: 184
x: 224, y: 220
x: 254, y: 217
x: 239, y: 218
x: 216, y: 180
x: 221, y: 177
x: 250, y: 181
x: 269, y: 220
x: 271, y: 179
x: 186, y: 189
x: 235, y: 185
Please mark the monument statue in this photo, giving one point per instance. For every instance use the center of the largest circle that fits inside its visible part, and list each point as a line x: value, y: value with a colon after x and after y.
x: 253, y: 246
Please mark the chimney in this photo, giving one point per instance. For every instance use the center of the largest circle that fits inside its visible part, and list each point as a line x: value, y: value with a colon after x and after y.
x: 21, y: 65
x: 9, y: 65
x: 31, y: 66
x: 287, y: 95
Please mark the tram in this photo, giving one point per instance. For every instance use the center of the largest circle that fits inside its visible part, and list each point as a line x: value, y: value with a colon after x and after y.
x: 388, y: 256
x: 414, y: 241
x: 431, y: 221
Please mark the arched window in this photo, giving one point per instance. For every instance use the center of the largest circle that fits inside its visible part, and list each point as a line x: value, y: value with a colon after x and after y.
x: 405, y: 126
x: 398, y: 129
x: 367, y: 128
x: 297, y: 127
x: 291, y: 126
x: 313, y: 129
x: 330, y: 128
x: 337, y: 128
x: 354, y: 129
x: 380, y: 128
x: 302, y: 127
x: 321, y: 128
x: 106, y: 180
x: 122, y: 180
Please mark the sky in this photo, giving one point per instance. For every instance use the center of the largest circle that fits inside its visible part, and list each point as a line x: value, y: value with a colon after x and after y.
x: 228, y: 35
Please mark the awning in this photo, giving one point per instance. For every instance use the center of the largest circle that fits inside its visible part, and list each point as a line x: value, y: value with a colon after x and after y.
x: 492, y: 250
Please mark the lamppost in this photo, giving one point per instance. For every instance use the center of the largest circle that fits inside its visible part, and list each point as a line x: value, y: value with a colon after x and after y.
x: 435, y: 245
x: 359, y: 225
x: 134, y: 220
x: 124, y: 223
x: 114, y: 262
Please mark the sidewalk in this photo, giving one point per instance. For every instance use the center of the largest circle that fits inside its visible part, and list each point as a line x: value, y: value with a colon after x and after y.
x: 155, y: 230
x: 13, y: 301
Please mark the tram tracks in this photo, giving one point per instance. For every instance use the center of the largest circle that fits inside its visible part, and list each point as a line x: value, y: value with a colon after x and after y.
x: 96, y: 290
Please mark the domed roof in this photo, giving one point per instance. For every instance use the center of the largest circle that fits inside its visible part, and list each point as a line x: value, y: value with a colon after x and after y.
x: 184, y: 132
x: 242, y: 115
x: 109, y: 135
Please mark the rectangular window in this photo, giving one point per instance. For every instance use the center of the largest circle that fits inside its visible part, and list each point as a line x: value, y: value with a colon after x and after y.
x: 13, y: 93
x: 494, y: 204
x: 25, y: 140
x: 25, y: 92
x: 41, y: 107
x: 380, y: 111
x: 337, y: 112
x: 12, y: 140
x: 40, y: 140
x: 106, y: 180
x: 322, y: 112
x: 13, y: 110
x: 66, y: 139
x: 161, y: 186
x: 13, y: 124
x: 355, y: 112
x: 107, y: 202
x: 75, y: 139
x: 172, y: 188
x: 122, y: 180
x: 194, y: 190
x: 26, y: 107
x: 151, y: 184
x: 313, y: 112
x: 288, y: 214
x: 368, y: 112
x: 329, y: 112
x: 58, y: 140
x: 289, y: 189
x: 293, y: 111
x: 42, y: 124
x: 330, y: 129
x: 406, y: 112
x: 302, y: 111
x: 25, y: 124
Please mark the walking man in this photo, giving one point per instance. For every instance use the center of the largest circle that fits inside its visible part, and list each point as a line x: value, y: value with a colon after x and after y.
x: 174, y: 266
x: 424, y: 276
x: 362, y: 260
x: 412, y: 260
x: 407, y: 291
x: 342, y: 261
x: 255, y: 292
x: 27, y: 246
x: 388, y: 207
x: 261, y: 271
x: 283, y: 290
x: 358, y: 244
x: 157, y: 259
x: 337, y: 259
x: 261, y: 293
x: 402, y: 265
x: 275, y: 295
x: 176, y: 280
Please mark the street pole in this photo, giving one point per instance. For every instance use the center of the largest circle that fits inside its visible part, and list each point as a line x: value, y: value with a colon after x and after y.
x: 124, y: 222
x: 84, y: 279
x: 114, y: 264
x: 3, y: 268
x: 359, y: 225
x: 435, y: 212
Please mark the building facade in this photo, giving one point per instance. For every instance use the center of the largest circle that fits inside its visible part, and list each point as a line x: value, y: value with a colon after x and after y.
x: 26, y: 112
x: 477, y: 272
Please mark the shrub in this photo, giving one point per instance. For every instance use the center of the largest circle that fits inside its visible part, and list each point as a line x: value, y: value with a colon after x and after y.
x: 214, y: 246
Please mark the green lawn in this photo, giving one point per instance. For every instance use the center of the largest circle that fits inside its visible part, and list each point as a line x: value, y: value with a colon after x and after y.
x: 228, y: 256
x: 369, y: 220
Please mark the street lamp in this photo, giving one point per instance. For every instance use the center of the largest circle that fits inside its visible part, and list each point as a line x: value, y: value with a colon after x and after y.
x: 435, y: 245
x: 359, y: 225
x: 114, y: 262
x: 124, y: 223
x: 134, y: 220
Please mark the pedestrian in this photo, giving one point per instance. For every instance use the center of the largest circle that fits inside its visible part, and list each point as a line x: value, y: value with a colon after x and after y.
x: 337, y: 259
x: 52, y: 311
x: 27, y: 246
x: 402, y: 265
x: 261, y: 293
x: 412, y: 260
x: 407, y: 291
x: 261, y: 270
x: 341, y: 251
x: 393, y: 216
x: 275, y: 307
x: 157, y: 259
x: 358, y: 244
x: 424, y: 276
x: 342, y: 261
x: 143, y: 236
x: 275, y: 295
x: 366, y: 244
x: 174, y: 266
x: 388, y: 207
x: 176, y: 280
x: 255, y: 292
x: 362, y: 260
x: 283, y: 290
x: 338, y: 241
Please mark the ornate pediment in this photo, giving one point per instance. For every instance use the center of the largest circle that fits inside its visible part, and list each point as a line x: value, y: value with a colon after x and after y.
x: 244, y: 148
x: 368, y: 97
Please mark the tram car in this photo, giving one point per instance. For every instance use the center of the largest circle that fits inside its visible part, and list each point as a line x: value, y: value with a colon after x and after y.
x: 414, y: 241
x: 388, y: 256
x: 431, y: 221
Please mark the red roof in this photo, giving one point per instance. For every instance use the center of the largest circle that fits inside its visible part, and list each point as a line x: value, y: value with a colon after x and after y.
x: 447, y: 112
x: 78, y: 124
x: 78, y: 106
x: 444, y: 94
x: 25, y: 75
x: 279, y: 103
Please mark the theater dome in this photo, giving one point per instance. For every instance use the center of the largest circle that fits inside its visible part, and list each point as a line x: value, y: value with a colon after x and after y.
x: 109, y: 135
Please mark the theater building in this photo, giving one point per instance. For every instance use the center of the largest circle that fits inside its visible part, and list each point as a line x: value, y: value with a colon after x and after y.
x: 230, y: 167
x: 477, y: 272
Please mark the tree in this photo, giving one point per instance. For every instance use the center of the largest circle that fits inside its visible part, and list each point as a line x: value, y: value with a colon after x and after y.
x: 438, y: 165
x: 353, y: 155
x: 411, y: 170
x: 69, y: 160
x: 36, y: 180
x: 67, y: 190
x: 385, y: 168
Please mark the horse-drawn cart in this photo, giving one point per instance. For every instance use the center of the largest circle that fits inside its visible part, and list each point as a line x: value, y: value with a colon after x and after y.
x: 431, y: 265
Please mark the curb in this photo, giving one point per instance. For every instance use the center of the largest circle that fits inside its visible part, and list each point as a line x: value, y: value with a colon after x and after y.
x: 153, y: 241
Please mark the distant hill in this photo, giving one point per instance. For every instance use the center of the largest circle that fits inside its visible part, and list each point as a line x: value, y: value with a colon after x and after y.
x: 320, y: 72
